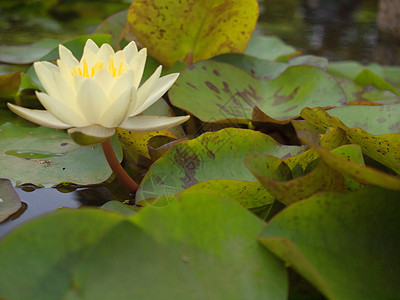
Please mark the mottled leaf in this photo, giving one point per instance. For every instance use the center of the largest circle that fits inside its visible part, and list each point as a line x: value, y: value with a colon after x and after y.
x: 276, y: 177
x: 384, y: 148
x: 376, y: 120
x: 219, y: 91
x: 192, y: 30
x: 213, y: 155
x: 346, y: 245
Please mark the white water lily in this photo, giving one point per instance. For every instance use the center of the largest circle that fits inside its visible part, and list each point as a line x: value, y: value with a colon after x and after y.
x: 93, y: 96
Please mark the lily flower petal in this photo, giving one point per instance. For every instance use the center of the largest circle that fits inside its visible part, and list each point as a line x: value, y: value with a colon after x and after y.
x: 67, y: 57
x: 163, y: 84
x: 130, y: 51
x: 61, y: 111
x: 104, y: 53
x: 122, y: 84
x: 93, y: 101
x: 118, y: 110
x: 44, y: 72
x: 137, y: 64
x: 151, y: 123
x: 40, y: 117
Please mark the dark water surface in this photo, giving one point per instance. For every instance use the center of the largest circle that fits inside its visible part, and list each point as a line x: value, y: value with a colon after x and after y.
x: 339, y: 30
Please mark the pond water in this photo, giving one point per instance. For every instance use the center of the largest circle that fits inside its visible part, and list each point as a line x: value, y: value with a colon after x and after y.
x: 333, y: 29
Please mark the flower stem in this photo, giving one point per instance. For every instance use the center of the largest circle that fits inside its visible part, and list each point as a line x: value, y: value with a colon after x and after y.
x: 118, y: 170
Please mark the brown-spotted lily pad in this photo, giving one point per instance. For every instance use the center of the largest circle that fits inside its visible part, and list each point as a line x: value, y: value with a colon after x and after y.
x: 214, y: 91
x: 384, y: 148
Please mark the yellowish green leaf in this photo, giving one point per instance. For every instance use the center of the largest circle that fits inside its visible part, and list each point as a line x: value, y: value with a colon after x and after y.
x: 384, y: 148
x: 192, y: 30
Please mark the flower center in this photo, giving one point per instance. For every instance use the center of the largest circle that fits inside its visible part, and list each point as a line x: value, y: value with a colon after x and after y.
x: 84, y: 70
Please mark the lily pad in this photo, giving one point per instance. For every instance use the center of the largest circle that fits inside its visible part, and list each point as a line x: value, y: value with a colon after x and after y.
x: 346, y: 245
x: 383, y: 119
x: 269, y: 69
x: 185, y: 251
x: 218, y: 91
x: 384, y: 148
x: 45, y: 157
x: 192, y: 30
x: 9, y: 200
x: 287, y: 189
x: 192, y: 255
x: 9, y: 84
x: 247, y: 193
x: 213, y: 155
x: 52, y: 247
x: 26, y: 54
x: 268, y: 47
x: 347, y: 160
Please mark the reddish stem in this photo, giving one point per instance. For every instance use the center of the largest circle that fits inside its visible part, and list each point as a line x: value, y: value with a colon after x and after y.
x: 118, y: 170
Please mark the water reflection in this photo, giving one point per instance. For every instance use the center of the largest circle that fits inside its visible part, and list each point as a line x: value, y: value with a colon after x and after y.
x: 336, y: 29
x: 41, y: 201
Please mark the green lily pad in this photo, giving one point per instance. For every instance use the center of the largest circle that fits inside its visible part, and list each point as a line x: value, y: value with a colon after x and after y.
x: 38, y: 259
x: 26, y: 54
x: 383, y: 119
x: 192, y: 30
x: 346, y: 245
x: 351, y: 69
x: 277, y: 179
x: 219, y: 91
x: 185, y: 251
x: 366, y: 95
x: 384, y: 148
x: 347, y: 160
x: 9, y: 200
x: 213, y: 155
x: 192, y: 255
x: 366, y: 77
x: 247, y: 193
x: 45, y: 157
x: 257, y: 67
x: 269, y: 69
x: 268, y: 47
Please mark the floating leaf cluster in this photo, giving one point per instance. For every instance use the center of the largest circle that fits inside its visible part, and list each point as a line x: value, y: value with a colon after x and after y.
x: 283, y: 184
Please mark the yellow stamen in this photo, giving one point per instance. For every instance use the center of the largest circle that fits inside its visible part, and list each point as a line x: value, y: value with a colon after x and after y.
x: 120, y: 68
x: 85, y: 69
